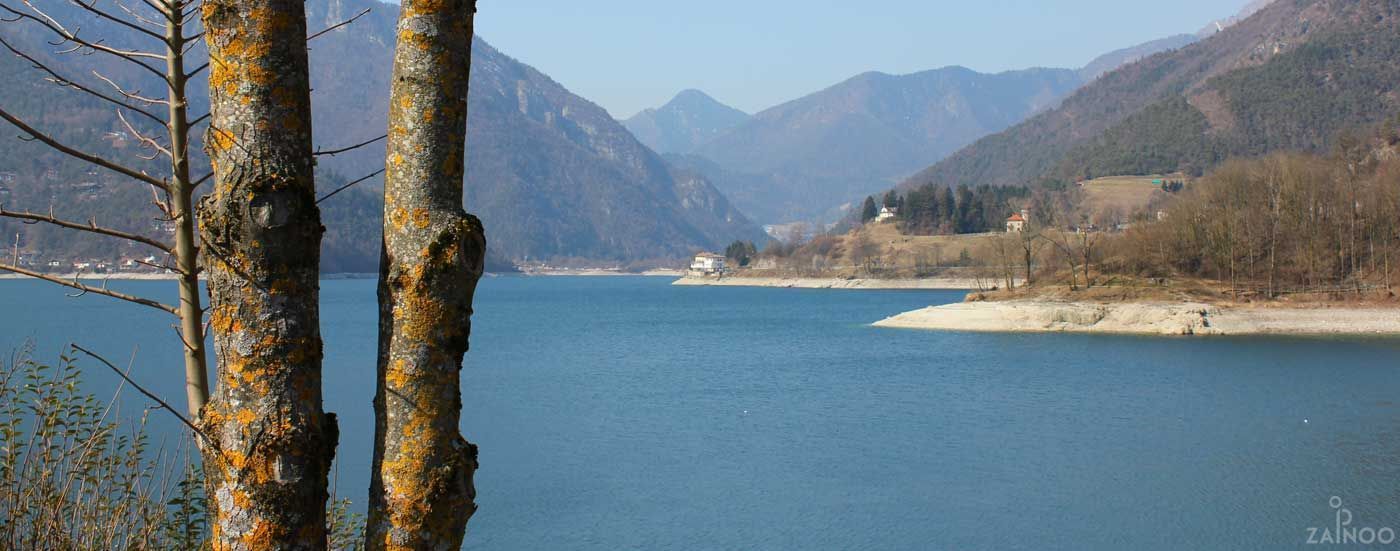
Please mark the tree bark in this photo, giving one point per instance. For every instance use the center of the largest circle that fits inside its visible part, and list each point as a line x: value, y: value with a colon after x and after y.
x: 421, y: 490
x: 262, y: 234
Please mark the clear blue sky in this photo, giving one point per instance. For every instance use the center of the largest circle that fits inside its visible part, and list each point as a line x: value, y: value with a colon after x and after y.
x: 627, y: 55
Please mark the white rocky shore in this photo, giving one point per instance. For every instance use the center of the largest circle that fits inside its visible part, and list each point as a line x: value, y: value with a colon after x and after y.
x: 827, y: 283
x: 1149, y: 319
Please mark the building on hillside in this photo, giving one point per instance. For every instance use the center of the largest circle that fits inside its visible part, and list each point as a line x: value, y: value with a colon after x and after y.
x: 1017, y: 222
x: 707, y: 264
x: 887, y: 213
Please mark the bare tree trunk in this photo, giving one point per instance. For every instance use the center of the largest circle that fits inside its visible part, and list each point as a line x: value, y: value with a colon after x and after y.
x: 182, y: 211
x: 421, y: 491
x: 262, y: 234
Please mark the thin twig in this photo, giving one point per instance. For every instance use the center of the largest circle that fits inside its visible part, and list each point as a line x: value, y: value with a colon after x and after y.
x: 212, y: 443
x: 104, y: 15
x: 90, y: 227
x: 86, y: 289
x: 335, y: 152
x: 104, y: 163
x: 136, y: 95
x: 49, y: 23
x: 68, y: 83
x: 347, y: 186
x: 144, y: 139
x: 338, y: 25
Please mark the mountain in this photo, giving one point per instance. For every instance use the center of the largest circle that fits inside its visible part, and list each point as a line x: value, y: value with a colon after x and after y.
x: 688, y: 120
x: 866, y: 133
x: 1290, y: 77
x: 1118, y: 58
x: 801, y: 159
x: 551, y: 175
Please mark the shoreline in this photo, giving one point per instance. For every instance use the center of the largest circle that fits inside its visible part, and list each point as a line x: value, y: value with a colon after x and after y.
x: 599, y: 272
x: 146, y: 276
x: 947, y: 284
x: 1149, y: 318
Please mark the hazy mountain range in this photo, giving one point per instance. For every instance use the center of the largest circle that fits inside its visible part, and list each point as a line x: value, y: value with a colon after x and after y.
x: 808, y: 158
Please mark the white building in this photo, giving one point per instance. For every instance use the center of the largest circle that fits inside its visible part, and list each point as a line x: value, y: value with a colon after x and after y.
x: 886, y: 213
x: 707, y: 264
x: 1016, y: 223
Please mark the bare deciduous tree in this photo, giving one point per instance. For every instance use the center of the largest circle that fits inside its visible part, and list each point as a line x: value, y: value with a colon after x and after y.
x: 165, y: 24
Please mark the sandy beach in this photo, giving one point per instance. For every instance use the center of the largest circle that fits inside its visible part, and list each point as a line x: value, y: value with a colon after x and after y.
x: 828, y: 283
x: 1149, y: 319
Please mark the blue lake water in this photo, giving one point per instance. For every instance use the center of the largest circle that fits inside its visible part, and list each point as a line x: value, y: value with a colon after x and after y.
x: 623, y: 413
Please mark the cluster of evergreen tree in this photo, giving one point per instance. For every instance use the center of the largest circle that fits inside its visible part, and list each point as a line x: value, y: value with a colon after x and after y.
x: 741, y: 252
x: 940, y: 210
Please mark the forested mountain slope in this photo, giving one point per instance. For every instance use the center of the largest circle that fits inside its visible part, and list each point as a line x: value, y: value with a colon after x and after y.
x: 1291, y: 77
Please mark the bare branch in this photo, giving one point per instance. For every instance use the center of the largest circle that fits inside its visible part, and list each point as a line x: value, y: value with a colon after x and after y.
x: 212, y: 443
x: 198, y: 120
x: 142, y: 18
x: 158, y: 8
x: 142, y: 138
x: 67, y: 83
x: 197, y: 70
x: 202, y: 179
x: 87, y: 289
x: 347, y: 186
x: 90, y: 227
x: 335, y: 152
x: 104, y: 163
x: 166, y: 266
x: 52, y: 25
x: 136, y: 95
x: 338, y: 25
x: 163, y: 205
x: 104, y: 15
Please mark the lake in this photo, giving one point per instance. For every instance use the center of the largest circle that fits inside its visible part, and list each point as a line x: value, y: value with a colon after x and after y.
x: 623, y: 413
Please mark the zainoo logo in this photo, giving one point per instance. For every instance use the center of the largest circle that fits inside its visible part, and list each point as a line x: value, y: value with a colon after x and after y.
x: 1341, y: 532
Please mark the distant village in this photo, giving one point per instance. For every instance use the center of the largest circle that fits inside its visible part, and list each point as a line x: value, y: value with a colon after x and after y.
x: 86, y: 186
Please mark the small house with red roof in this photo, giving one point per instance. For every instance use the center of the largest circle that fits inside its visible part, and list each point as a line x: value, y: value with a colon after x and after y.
x: 1017, y: 222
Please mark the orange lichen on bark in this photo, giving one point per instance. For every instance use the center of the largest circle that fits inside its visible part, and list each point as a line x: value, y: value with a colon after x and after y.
x: 421, y: 218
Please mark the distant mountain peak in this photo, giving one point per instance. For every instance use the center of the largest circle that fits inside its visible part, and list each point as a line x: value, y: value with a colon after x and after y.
x: 692, y: 95
x: 690, y: 119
